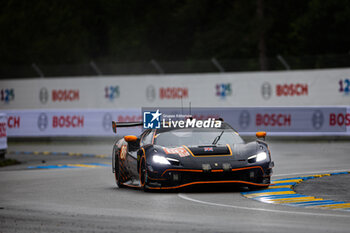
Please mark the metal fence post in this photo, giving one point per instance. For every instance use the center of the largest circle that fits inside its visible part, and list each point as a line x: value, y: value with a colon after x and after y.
x: 95, y: 68
x: 157, y: 66
x: 217, y: 65
x: 38, y: 70
x: 284, y: 62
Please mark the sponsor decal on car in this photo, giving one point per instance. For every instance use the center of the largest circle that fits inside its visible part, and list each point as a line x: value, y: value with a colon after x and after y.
x: 182, y: 152
x: 123, y: 152
x: 208, y: 149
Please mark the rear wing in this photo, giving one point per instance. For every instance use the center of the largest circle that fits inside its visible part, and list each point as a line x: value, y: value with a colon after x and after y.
x: 116, y: 125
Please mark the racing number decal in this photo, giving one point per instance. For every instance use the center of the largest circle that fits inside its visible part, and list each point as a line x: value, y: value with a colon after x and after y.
x: 123, y: 152
x: 182, y: 152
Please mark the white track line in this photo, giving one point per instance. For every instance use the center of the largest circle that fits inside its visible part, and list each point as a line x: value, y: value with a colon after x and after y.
x: 307, y: 173
x: 183, y: 196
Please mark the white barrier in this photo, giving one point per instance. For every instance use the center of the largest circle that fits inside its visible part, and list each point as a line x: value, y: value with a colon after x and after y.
x: 3, y: 133
x: 37, y: 123
x: 63, y: 106
x: 275, y: 120
x: 289, y: 88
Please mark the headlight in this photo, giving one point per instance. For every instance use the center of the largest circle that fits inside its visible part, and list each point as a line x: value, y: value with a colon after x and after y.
x: 160, y: 160
x: 258, y: 157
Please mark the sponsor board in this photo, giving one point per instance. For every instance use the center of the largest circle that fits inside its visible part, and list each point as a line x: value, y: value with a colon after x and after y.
x: 268, y: 89
x: 274, y: 120
x: 36, y: 123
x: 247, y: 121
x: 3, y: 131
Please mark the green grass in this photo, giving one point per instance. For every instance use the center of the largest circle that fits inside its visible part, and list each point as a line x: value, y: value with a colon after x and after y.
x: 8, y: 162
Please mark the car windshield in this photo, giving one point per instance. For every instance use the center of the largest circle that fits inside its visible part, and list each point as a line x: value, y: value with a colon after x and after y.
x: 197, y: 136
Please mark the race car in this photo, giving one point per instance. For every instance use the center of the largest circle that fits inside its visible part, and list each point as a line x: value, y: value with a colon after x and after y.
x: 173, y: 158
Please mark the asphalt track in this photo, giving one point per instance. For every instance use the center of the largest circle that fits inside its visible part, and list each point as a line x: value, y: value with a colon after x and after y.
x: 86, y: 199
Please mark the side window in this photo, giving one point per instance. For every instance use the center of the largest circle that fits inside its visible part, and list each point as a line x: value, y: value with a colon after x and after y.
x: 147, y: 138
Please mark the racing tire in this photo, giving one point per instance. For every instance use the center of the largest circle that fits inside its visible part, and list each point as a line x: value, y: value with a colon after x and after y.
x: 117, y: 173
x: 143, y: 175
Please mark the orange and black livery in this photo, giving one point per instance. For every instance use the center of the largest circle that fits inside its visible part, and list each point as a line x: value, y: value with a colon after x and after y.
x: 173, y: 158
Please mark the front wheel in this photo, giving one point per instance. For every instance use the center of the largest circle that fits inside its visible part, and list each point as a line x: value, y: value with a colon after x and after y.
x: 143, y: 174
x: 118, y: 175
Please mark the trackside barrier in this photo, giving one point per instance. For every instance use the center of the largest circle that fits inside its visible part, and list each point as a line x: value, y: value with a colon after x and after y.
x: 284, y: 121
x: 3, y: 135
x: 328, y: 87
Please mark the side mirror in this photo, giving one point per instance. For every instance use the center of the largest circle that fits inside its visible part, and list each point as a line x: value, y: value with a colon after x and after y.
x: 261, y: 134
x: 130, y: 138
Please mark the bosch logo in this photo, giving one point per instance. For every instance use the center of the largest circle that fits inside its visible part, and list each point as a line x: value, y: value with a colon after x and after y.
x: 173, y: 93
x: 43, y: 121
x: 107, y: 122
x: 3, y: 129
x: 244, y: 119
x: 274, y: 119
x: 129, y: 118
x: 65, y: 95
x: 150, y: 93
x: 317, y: 119
x: 298, y: 89
x: 43, y: 95
x: 13, y: 122
x: 266, y: 90
x: 68, y: 121
x: 340, y: 119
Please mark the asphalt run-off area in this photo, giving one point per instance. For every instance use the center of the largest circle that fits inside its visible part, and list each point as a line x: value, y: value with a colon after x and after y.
x: 65, y: 186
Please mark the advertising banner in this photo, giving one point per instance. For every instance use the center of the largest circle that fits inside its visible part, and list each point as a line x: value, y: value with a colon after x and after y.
x: 296, y: 121
x: 274, y: 120
x: 39, y: 123
x: 329, y: 87
x: 3, y: 132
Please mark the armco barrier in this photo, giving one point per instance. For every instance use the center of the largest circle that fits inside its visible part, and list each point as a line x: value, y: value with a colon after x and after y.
x: 292, y: 121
